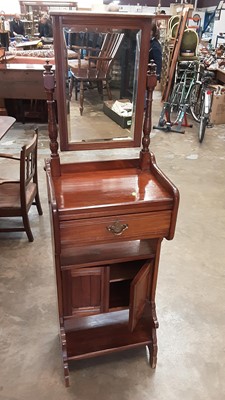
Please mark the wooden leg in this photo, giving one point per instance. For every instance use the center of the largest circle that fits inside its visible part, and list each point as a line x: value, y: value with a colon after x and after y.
x: 38, y: 204
x: 26, y: 224
x: 64, y: 357
x: 20, y: 110
x: 81, y: 97
x: 153, y: 349
x: 108, y: 91
x: 153, y: 346
x: 71, y: 85
x: 76, y: 89
x: 100, y: 88
x: 3, y: 110
x: 154, y: 316
x: 66, y: 374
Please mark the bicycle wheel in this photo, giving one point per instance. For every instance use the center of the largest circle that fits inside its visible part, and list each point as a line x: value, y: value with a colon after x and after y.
x: 203, y: 124
x: 175, y: 101
x: 175, y: 95
x: 195, y: 101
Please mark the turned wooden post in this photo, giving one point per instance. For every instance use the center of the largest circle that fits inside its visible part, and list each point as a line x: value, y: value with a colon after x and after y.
x: 151, y: 82
x: 49, y: 85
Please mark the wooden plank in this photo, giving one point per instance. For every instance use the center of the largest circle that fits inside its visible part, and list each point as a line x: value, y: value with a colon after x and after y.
x: 175, y: 54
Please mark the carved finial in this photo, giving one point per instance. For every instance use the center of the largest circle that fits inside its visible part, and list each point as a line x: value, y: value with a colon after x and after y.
x: 49, y: 85
x: 150, y: 85
x: 49, y: 78
x: 151, y: 75
x: 47, y: 66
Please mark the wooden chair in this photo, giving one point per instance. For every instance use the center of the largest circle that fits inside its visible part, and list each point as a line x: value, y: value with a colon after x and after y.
x: 2, y: 55
x: 16, y: 197
x: 94, y: 68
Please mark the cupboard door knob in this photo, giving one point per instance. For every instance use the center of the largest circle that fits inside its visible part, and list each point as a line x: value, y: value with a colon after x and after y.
x: 117, y: 228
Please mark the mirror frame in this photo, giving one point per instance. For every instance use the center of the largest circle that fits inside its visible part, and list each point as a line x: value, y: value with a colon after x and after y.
x: 103, y: 22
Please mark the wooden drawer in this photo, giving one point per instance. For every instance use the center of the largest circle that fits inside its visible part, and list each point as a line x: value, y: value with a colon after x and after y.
x: 114, y: 229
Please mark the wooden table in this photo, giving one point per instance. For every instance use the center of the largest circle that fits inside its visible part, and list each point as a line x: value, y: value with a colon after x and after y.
x: 5, y: 124
x: 220, y: 75
x: 21, y: 82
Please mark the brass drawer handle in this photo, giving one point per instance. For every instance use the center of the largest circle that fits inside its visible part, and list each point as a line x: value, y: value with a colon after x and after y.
x: 117, y: 228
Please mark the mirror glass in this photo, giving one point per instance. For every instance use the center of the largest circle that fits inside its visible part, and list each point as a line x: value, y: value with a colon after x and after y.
x: 101, y: 83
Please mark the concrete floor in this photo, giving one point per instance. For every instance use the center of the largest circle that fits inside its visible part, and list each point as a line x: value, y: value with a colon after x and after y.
x: 190, y: 293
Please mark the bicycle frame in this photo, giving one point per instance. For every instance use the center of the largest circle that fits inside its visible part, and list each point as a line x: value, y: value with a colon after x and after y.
x: 183, y: 82
x: 179, y: 100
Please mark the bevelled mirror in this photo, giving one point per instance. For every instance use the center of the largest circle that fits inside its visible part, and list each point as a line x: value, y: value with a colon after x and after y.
x: 101, y: 64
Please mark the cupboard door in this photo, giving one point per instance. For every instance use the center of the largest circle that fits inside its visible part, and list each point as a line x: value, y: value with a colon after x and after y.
x: 85, y: 291
x: 139, y: 294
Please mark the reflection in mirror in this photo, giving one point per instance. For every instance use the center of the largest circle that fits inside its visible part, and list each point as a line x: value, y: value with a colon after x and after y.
x: 101, y: 84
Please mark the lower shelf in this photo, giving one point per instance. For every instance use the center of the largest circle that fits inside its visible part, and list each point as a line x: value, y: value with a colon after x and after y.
x: 105, y: 333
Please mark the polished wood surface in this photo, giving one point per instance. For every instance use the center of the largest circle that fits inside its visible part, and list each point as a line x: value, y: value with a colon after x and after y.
x: 108, y: 222
x: 138, y: 227
x: 109, y: 187
x: 5, y: 124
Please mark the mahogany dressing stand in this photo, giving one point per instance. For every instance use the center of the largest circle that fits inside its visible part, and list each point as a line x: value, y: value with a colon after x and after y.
x: 108, y: 220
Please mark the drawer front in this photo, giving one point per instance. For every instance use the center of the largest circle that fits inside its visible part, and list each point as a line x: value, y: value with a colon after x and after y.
x: 114, y: 229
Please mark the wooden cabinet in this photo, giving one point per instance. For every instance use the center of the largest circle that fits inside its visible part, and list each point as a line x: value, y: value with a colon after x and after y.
x: 106, y: 258
x: 108, y: 220
x: 95, y: 290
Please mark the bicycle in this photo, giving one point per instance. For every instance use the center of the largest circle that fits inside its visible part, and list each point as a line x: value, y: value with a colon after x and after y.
x: 201, y: 97
x: 178, y: 102
x: 195, y: 90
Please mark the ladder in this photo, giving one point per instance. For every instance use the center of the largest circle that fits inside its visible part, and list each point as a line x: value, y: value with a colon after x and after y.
x: 175, y: 53
x: 164, y: 119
